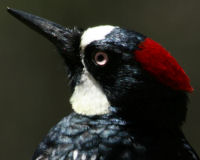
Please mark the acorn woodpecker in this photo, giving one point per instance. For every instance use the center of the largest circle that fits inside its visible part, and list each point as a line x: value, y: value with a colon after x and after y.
x: 129, y: 96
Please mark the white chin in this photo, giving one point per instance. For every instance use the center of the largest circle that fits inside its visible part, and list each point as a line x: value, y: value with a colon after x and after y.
x: 88, y: 97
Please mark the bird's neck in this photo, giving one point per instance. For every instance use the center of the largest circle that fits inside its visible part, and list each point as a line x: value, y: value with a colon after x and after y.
x: 154, y: 115
x: 164, y: 108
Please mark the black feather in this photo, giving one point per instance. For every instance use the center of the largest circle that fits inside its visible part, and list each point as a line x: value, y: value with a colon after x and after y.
x: 108, y: 137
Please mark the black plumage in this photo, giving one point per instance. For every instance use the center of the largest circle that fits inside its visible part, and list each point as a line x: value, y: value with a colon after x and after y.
x: 109, y: 137
x: 144, y: 116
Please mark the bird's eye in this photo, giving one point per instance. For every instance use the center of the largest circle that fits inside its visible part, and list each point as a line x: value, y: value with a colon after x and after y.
x: 101, y: 58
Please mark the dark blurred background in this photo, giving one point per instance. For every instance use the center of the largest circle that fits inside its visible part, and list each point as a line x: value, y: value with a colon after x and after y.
x: 33, y: 86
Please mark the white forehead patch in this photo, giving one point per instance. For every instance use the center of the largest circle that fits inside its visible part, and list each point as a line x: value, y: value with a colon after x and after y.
x: 94, y: 34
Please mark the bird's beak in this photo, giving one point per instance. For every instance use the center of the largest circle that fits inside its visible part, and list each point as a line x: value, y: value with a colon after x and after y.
x: 66, y: 40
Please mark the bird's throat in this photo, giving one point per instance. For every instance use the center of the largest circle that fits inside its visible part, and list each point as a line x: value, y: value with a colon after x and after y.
x: 88, y: 98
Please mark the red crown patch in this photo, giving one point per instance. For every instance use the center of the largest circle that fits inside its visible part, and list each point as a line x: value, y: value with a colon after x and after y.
x: 158, y: 61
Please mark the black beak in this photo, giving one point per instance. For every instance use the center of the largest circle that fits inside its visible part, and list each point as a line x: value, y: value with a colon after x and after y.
x: 66, y: 40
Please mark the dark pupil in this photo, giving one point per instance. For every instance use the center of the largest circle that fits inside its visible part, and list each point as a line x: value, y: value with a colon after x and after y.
x: 100, y: 58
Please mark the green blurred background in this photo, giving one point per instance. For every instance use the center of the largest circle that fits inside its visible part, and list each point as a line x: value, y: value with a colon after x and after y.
x: 33, y: 87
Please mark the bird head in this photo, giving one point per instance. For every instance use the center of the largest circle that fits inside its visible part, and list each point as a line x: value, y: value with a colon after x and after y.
x: 112, y: 69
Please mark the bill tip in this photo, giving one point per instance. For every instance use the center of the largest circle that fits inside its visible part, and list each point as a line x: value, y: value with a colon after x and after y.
x: 10, y: 10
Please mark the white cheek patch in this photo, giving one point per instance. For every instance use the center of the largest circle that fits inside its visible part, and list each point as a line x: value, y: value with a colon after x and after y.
x: 94, y: 34
x: 88, y: 97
